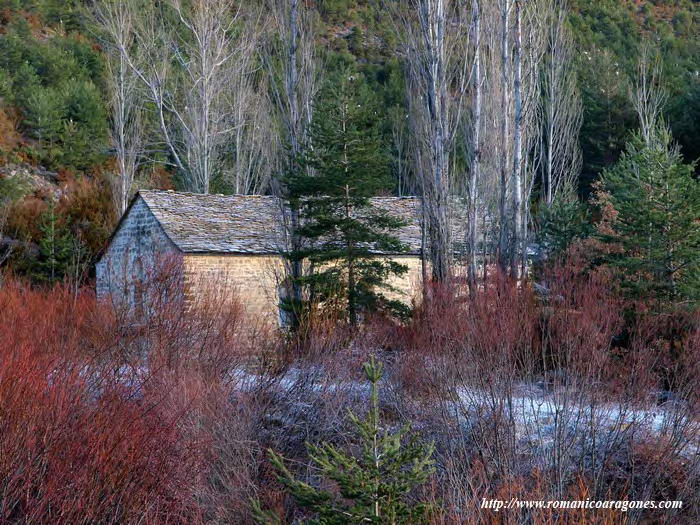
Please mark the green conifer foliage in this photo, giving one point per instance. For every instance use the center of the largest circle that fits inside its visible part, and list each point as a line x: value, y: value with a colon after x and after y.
x: 57, y: 85
x: 374, y: 486
x: 55, y: 249
x: 656, y: 200
x: 562, y: 223
x: 346, y: 238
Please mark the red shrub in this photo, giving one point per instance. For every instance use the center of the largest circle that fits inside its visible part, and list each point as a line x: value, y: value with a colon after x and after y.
x: 580, y: 317
x: 92, y: 431
x: 490, y: 335
x: 86, y: 207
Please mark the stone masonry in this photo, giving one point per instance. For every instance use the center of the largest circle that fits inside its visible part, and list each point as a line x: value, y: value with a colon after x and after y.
x: 226, y: 245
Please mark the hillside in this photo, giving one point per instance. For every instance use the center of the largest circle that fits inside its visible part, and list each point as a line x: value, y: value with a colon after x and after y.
x: 54, y: 115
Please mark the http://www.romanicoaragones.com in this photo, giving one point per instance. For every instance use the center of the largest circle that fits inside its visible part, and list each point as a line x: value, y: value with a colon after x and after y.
x: 622, y: 505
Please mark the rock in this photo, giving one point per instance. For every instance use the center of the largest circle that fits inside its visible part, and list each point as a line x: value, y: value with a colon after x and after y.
x: 37, y: 178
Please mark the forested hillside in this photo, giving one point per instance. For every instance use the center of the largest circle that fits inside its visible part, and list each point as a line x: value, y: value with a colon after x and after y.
x: 55, y: 108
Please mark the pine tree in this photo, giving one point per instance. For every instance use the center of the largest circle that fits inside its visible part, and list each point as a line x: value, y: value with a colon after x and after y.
x: 55, y: 248
x: 373, y: 486
x: 656, y: 227
x: 344, y: 234
x: 563, y: 222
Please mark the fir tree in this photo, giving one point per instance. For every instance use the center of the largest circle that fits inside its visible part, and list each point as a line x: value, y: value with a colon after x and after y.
x: 656, y: 225
x: 373, y: 486
x: 346, y: 238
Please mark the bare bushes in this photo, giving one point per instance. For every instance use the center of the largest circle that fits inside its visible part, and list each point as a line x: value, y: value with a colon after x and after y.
x: 163, y: 412
x: 477, y: 338
x: 78, y: 443
x: 546, y: 393
x: 155, y: 411
x: 115, y: 415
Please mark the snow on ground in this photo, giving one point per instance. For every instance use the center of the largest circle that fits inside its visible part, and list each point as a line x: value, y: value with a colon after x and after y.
x: 537, y: 416
x: 540, y: 417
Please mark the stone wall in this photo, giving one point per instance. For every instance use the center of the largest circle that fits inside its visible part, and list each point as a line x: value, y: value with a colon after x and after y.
x: 137, y: 247
x: 254, y: 280
x: 408, y: 285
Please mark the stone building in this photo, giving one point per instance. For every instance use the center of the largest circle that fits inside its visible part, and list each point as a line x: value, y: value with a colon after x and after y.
x: 230, y: 243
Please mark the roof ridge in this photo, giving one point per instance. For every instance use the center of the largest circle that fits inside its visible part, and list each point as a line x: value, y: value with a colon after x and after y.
x: 194, y: 194
x: 253, y: 224
x: 258, y: 195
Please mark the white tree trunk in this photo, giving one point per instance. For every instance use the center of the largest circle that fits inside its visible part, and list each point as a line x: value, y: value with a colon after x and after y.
x: 436, y: 82
x: 503, y: 214
x: 475, y: 169
x: 517, y: 174
x: 116, y: 23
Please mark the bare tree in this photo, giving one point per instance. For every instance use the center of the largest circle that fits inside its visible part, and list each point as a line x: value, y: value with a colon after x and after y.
x: 291, y: 62
x: 529, y: 45
x: 562, y: 110
x: 517, y: 175
x: 505, y: 7
x: 475, y: 167
x: 254, y: 145
x: 192, y: 52
x: 436, y: 79
x: 116, y: 24
x: 494, y: 151
x: 401, y: 142
x: 518, y: 91
x: 648, y: 95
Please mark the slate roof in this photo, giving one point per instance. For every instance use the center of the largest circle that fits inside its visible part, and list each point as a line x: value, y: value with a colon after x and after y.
x: 250, y: 224
x: 218, y: 223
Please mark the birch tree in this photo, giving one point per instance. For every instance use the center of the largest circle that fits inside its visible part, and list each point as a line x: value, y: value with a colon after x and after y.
x: 562, y: 110
x: 648, y: 95
x: 530, y: 29
x: 291, y: 61
x: 192, y: 52
x: 494, y: 151
x: 254, y: 145
x: 505, y: 8
x: 517, y: 175
x: 475, y: 165
x: 503, y: 137
x: 115, y: 21
x: 520, y: 49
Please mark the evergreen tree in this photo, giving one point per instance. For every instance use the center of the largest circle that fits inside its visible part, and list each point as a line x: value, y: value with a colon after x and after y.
x: 656, y: 226
x: 55, y: 249
x: 44, y: 115
x: 566, y: 220
x: 346, y: 238
x: 374, y: 486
